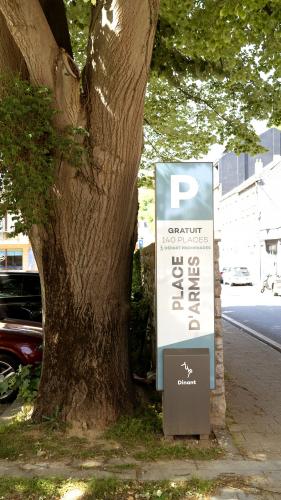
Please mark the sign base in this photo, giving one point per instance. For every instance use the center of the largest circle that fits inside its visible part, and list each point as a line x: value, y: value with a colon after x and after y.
x: 186, y: 397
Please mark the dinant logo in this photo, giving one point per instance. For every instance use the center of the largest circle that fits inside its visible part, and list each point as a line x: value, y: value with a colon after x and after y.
x: 189, y: 370
x: 187, y: 194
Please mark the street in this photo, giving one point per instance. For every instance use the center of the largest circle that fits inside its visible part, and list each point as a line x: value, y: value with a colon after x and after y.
x: 260, y: 312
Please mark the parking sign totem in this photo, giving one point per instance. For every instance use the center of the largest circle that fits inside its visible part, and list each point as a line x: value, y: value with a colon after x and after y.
x: 184, y: 258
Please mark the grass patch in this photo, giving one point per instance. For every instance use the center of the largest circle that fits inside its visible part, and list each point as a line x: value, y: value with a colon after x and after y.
x: 25, y: 440
x: 101, y: 489
x: 139, y: 436
x: 122, y: 467
x: 142, y: 437
x: 141, y: 428
x: 160, y: 451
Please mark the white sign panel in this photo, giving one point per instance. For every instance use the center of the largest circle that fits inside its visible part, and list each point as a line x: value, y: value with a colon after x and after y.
x: 184, y: 272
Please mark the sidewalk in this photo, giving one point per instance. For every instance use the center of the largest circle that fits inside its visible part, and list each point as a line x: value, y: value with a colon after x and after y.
x: 253, y: 378
x: 253, y: 392
x: 253, y: 395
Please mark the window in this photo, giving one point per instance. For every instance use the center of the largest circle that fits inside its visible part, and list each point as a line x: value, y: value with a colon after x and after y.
x: 10, y: 286
x: 11, y: 259
x: 271, y: 247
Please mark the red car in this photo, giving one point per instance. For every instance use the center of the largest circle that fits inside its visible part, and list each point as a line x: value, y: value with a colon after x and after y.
x: 20, y: 344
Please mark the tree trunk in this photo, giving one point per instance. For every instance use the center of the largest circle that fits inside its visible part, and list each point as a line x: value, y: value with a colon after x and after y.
x: 86, y: 270
x: 84, y: 255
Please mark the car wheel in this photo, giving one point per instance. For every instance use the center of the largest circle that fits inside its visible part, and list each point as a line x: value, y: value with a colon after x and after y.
x: 8, y: 366
x: 273, y: 291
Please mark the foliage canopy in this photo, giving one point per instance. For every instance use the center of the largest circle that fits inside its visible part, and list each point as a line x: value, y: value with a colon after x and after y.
x: 216, y: 66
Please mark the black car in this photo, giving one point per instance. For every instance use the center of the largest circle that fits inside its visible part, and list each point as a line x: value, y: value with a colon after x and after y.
x: 20, y: 295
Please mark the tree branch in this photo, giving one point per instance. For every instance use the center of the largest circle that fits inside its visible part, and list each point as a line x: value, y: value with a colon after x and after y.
x: 201, y: 100
x: 146, y: 140
x: 48, y: 64
x: 147, y: 122
x: 11, y: 60
x: 31, y: 32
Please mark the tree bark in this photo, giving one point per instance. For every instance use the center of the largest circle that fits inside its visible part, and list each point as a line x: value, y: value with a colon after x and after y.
x: 11, y: 60
x: 84, y: 255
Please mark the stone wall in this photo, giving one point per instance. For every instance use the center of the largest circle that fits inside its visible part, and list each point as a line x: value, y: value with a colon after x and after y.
x: 218, y: 406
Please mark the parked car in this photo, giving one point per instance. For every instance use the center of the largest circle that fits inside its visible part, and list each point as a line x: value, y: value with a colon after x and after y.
x: 237, y: 276
x: 20, y: 295
x: 20, y: 344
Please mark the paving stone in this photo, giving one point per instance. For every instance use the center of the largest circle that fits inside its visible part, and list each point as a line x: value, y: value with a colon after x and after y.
x: 254, y: 396
x: 233, y: 494
x: 239, y: 436
x: 238, y: 427
x: 34, y: 467
x: 175, y: 470
x: 91, y: 464
x: 273, y: 480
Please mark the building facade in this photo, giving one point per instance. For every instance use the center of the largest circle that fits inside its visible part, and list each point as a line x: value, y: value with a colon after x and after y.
x: 16, y: 252
x: 249, y: 209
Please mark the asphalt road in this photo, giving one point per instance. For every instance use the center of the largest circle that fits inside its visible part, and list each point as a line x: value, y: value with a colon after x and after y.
x: 260, y: 312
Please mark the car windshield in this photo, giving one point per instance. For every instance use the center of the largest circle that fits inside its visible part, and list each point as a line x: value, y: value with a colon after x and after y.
x: 241, y: 271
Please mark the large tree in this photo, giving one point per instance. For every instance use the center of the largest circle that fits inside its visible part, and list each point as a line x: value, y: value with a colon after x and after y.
x: 209, y: 53
x: 84, y: 251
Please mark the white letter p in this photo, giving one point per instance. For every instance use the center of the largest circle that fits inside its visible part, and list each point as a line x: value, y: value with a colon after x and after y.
x: 177, y: 195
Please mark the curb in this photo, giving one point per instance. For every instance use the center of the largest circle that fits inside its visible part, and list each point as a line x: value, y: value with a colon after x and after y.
x: 253, y: 333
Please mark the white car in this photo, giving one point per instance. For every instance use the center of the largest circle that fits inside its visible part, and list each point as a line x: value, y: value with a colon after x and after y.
x: 237, y: 276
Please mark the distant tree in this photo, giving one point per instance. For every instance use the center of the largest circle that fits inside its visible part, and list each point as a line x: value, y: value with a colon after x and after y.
x: 216, y: 65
